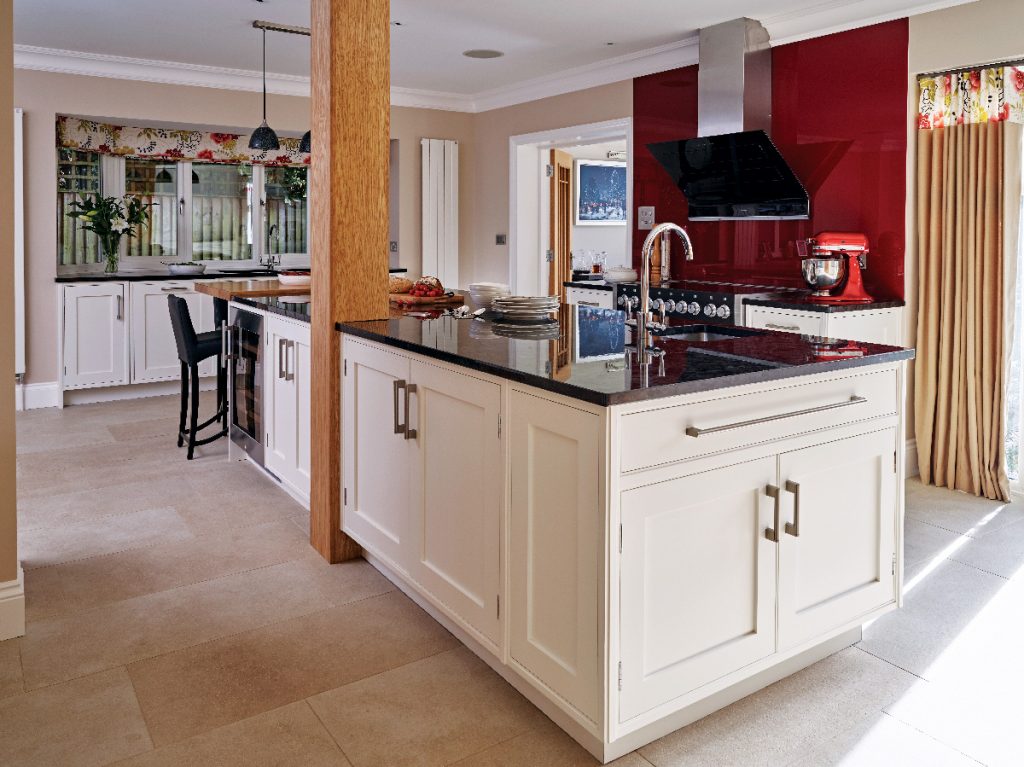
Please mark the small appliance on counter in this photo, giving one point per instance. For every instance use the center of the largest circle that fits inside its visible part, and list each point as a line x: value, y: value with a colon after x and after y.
x: 834, y: 268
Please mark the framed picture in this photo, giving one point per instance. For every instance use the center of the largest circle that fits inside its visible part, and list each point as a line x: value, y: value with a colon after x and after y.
x: 600, y: 193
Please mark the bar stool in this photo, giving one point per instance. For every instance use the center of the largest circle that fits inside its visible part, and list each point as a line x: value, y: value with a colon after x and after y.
x: 193, y: 348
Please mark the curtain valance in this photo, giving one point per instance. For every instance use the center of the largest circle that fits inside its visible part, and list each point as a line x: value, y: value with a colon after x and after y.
x: 171, y: 144
x: 993, y: 94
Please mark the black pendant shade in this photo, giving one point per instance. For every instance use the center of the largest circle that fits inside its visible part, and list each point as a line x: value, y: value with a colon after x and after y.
x: 264, y: 138
x: 307, y: 141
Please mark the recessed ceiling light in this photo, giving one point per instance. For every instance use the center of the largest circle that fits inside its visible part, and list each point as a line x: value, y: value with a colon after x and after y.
x: 609, y: 43
x: 396, y: 23
x: 483, y: 53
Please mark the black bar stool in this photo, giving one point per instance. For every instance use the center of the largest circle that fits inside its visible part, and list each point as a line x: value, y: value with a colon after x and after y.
x: 193, y: 348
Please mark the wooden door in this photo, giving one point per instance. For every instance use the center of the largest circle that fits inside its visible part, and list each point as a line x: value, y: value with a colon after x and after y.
x: 95, y: 335
x: 698, y: 591
x: 561, y: 223
x: 377, y: 456
x: 837, y: 561
x: 555, y: 547
x: 456, y: 495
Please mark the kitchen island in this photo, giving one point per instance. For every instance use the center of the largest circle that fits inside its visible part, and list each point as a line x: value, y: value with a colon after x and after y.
x: 632, y: 543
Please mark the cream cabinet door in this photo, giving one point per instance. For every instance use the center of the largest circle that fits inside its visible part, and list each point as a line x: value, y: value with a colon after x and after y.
x: 301, y: 368
x: 837, y: 550
x: 154, y: 351
x: 287, y: 411
x: 95, y: 335
x: 698, y: 582
x: 456, y: 495
x: 376, y: 454
x: 786, y: 320
x: 556, y: 548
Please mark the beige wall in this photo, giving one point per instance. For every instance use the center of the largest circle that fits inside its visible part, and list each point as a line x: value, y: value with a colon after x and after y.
x: 8, y: 501
x: 491, y: 150
x: 976, y: 33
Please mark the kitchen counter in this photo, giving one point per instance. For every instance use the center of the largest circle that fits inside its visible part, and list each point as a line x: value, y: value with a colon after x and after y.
x: 151, y: 275
x: 802, y: 302
x: 609, y: 377
x: 230, y: 290
x: 589, y: 284
x: 298, y: 307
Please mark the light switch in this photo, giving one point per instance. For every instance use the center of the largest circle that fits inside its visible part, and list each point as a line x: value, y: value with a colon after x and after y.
x: 500, y: 239
x: 645, y: 217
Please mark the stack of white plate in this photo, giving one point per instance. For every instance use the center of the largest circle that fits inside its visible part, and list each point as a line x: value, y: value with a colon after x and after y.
x: 484, y: 293
x: 525, y: 308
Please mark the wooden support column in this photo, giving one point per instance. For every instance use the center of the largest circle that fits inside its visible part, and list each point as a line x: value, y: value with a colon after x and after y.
x: 351, y: 84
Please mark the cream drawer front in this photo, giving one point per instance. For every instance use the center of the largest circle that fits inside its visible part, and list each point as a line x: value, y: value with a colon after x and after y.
x: 656, y: 437
x: 808, y: 323
x: 600, y: 299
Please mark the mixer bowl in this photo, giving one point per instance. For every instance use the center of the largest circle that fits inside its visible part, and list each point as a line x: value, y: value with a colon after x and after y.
x: 823, y: 274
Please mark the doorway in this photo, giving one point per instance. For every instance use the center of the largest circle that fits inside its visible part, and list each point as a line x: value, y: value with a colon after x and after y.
x: 570, y: 200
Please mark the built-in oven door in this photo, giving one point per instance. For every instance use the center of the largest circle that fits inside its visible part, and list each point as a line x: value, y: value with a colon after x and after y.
x: 245, y: 362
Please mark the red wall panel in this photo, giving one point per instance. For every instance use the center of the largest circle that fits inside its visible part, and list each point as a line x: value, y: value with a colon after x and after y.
x: 839, y: 117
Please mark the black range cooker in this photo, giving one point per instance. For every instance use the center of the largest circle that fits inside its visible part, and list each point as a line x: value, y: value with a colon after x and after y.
x: 718, y: 302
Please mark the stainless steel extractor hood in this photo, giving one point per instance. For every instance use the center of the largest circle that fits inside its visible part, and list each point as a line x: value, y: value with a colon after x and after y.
x: 732, y: 170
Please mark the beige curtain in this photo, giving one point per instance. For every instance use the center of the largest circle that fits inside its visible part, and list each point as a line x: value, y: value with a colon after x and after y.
x: 963, y: 270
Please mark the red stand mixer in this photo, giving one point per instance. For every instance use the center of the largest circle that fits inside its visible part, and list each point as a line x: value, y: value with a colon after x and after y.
x: 834, y: 268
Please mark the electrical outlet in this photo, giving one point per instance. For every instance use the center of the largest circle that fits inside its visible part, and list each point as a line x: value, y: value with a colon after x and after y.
x: 394, y: 246
x: 645, y: 217
x: 500, y: 239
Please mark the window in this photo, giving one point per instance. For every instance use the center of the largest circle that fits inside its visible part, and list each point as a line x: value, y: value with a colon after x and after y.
x: 154, y: 182
x: 222, y: 212
x: 286, y: 211
x: 78, y: 177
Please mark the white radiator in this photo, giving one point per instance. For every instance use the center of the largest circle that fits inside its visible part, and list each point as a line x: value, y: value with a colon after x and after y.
x: 441, y: 210
x: 19, y: 245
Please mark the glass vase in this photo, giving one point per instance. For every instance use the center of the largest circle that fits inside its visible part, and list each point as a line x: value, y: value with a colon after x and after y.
x: 110, y: 250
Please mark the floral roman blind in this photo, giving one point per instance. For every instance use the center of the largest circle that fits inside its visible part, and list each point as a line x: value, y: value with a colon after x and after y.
x: 171, y: 144
x: 981, y: 95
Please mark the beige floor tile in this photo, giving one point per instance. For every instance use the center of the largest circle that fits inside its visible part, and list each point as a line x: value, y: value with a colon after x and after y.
x: 923, y: 542
x: 882, y: 740
x: 959, y: 512
x: 83, y: 723
x: 43, y: 546
x: 773, y: 725
x: 92, y: 437
x: 216, y: 511
x: 291, y: 736
x: 545, y: 746
x: 1000, y: 554
x: 211, y: 685
x: 165, y: 426
x: 44, y: 594
x: 432, y: 712
x: 10, y: 668
x: 66, y: 647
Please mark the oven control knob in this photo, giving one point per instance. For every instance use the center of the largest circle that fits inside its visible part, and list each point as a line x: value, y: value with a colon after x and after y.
x: 623, y: 300
x: 693, y: 308
x: 681, y: 308
x: 724, y: 312
x: 670, y: 305
x: 709, y: 310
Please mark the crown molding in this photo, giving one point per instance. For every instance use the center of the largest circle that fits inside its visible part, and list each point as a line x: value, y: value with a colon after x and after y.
x: 423, y: 99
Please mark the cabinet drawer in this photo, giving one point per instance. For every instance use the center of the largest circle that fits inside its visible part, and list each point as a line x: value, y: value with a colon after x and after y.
x: 601, y: 299
x: 808, y: 323
x: 680, y: 433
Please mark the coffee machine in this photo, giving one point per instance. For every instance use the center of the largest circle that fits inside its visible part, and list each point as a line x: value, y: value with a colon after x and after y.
x: 834, y: 268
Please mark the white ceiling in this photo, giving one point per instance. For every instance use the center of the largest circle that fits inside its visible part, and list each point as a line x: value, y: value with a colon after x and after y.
x: 539, y: 37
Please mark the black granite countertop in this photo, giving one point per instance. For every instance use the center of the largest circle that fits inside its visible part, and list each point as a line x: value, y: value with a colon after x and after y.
x: 589, y: 284
x: 296, y: 307
x: 803, y: 302
x: 583, y: 355
x: 159, y: 275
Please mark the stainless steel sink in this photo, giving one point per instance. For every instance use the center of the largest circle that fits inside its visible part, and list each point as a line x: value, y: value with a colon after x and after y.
x: 707, y: 333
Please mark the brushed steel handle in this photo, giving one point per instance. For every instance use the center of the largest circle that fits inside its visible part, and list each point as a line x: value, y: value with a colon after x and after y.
x: 397, y: 386
x: 787, y: 328
x: 694, y: 431
x: 409, y: 432
x: 589, y: 303
x: 175, y: 290
x: 281, y: 351
x: 793, y: 528
x: 223, y: 344
x: 119, y: 307
x: 289, y: 361
x: 181, y: 206
x: 772, y: 533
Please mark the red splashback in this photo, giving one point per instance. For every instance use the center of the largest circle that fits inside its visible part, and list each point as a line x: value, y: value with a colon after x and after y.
x: 839, y: 117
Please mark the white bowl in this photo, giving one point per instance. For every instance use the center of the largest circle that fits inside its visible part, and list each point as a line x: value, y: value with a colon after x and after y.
x: 621, y: 274
x: 186, y: 269
x: 294, y: 279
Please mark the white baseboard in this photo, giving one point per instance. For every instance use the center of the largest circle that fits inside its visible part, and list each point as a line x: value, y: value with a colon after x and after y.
x: 12, y: 607
x: 34, y: 396
x: 910, y: 459
x: 133, y: 391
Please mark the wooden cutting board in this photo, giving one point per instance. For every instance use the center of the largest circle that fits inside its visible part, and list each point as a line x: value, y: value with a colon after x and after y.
x: 404, y: 299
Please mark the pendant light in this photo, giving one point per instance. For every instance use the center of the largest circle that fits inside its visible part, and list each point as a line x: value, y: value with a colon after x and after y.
x: 264, y: 138
x: 307, y: 141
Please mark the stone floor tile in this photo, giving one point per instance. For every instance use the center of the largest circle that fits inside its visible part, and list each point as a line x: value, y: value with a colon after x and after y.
x: 291, y: 736
x: 959, y: 512
x: 10, y: 668
x: 923, y: 542
x: 773, y: 725
x: 432, y: 712
x: 1000, y: 554
x: 87, y: 722
x: 197, y: 689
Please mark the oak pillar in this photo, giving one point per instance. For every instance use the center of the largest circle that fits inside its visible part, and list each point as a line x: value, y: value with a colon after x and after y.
x: 349, y: 223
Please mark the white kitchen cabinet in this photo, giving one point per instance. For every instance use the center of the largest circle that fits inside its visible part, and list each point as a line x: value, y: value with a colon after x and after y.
x: 456, y: 494
x: 555, y: 543
x: 95, y: 335
x: 599, y: 299
x: 697, y: 581
x: 154, y: 352
x: 877, y: 326
x: 287, y: 389
x: 837, y: 555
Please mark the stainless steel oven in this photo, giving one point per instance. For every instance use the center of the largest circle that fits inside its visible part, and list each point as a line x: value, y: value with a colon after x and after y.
x: 245, y: 380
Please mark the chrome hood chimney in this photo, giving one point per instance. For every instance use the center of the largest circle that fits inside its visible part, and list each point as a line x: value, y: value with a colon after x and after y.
x: 733, y: 170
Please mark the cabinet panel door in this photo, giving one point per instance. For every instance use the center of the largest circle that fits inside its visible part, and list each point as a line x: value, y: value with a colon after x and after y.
x: 698, y: 586
x: 301, y: 369
x: 786, y: 320
x: 876, y: 327
x: 377, y: 461
x: 556, y: 547
x: 837, y: 564
x: 280, y: 406
x: 95, y: 335
x: 154, y: 352
x: 456, y: 494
